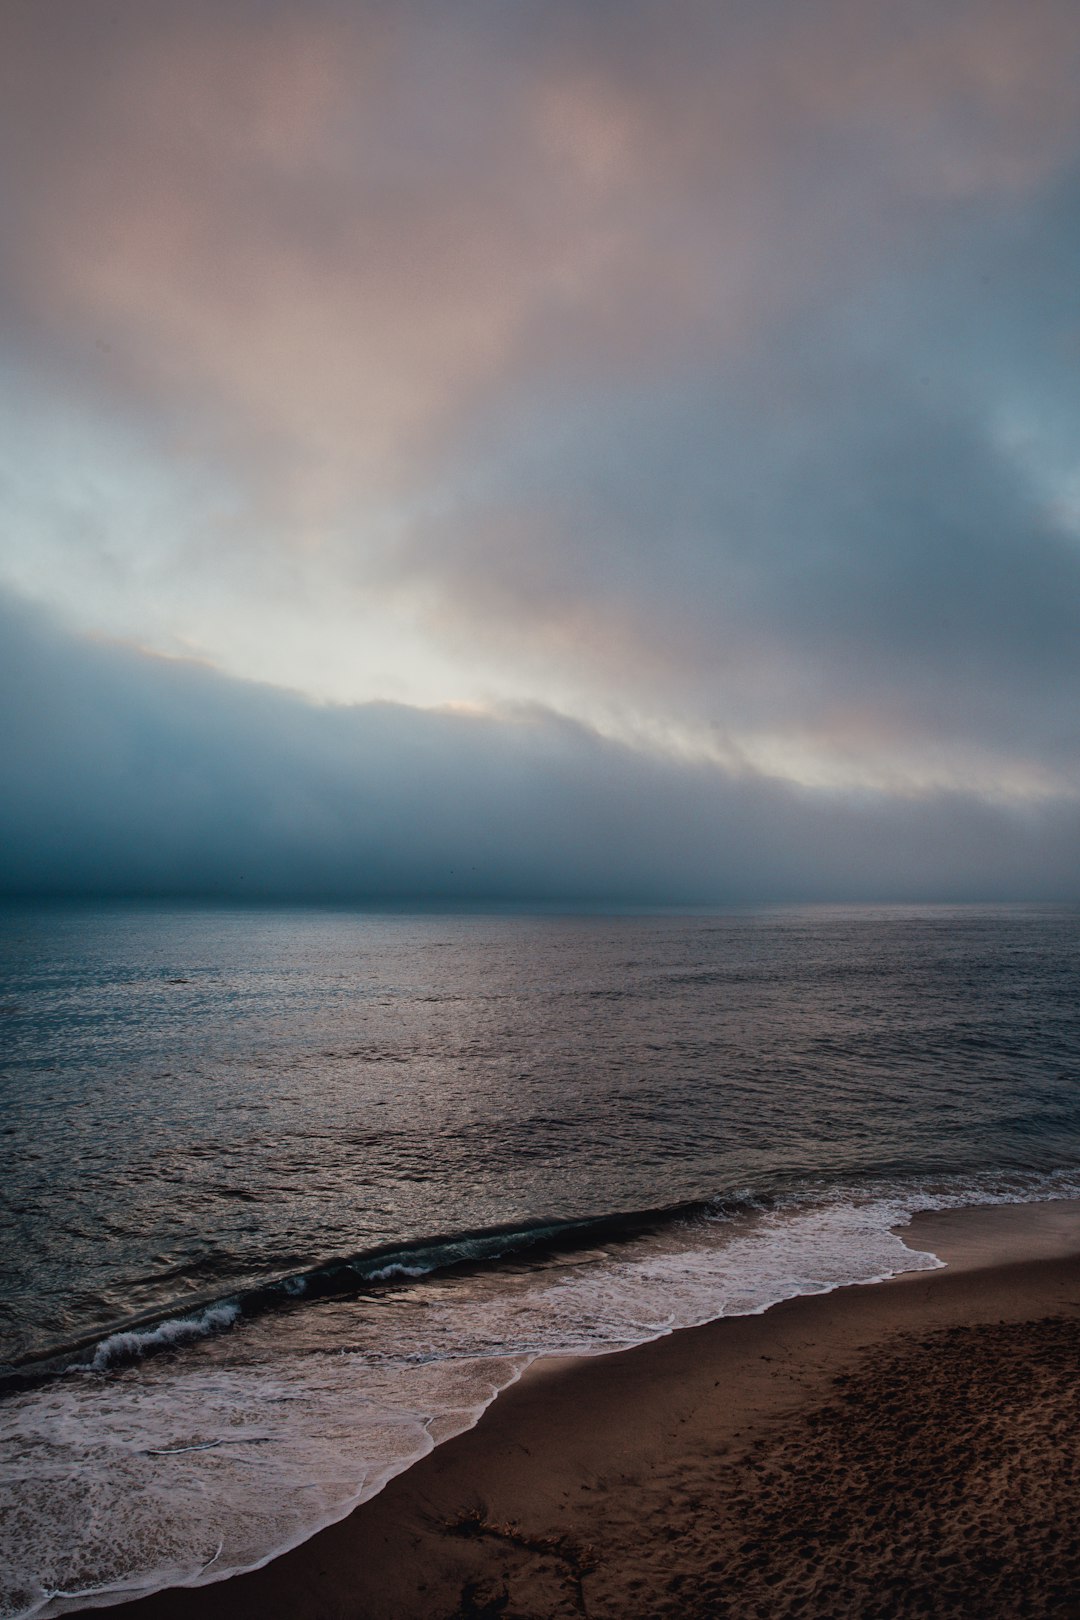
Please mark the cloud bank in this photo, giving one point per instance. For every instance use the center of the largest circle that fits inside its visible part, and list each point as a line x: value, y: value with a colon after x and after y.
x: 131, y: 775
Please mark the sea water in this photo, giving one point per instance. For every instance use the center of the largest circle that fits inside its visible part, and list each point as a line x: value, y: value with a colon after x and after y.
x: 289, y: 1196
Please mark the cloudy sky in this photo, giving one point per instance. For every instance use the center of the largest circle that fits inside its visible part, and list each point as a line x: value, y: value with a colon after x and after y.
x: 528, y: 448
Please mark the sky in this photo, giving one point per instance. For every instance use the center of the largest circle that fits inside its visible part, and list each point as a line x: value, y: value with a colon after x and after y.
x: 517, y: 450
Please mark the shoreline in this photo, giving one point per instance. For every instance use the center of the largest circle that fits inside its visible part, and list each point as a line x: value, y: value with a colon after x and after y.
x: 599, y: 1485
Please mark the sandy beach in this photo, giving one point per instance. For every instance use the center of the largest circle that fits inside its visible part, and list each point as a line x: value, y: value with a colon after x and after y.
x: 906, y: 1448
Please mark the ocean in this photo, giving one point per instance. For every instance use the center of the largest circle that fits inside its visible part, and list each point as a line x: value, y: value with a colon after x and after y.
x: 290, y: 1195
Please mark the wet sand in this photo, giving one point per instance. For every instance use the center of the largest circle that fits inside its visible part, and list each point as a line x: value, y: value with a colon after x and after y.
x: 907, y: 1448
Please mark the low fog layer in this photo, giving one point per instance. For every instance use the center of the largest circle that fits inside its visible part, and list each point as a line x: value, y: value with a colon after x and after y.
x: 128, y: 774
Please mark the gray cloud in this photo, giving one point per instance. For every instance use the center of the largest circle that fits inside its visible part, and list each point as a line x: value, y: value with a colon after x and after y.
x: 706, y: 372
x: 131, y: 775
x: 869, y: 520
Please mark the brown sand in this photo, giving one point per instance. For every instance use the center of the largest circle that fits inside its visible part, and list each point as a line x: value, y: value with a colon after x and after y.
x: 903, y: 1449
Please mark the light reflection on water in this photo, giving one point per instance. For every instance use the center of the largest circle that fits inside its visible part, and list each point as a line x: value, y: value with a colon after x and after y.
x: 197, y: 1098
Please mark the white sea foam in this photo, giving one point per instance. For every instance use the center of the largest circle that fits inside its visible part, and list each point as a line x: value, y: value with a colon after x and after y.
x: 398, y: 1271
x: 177, y: 1331
x: 185, y: 1469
